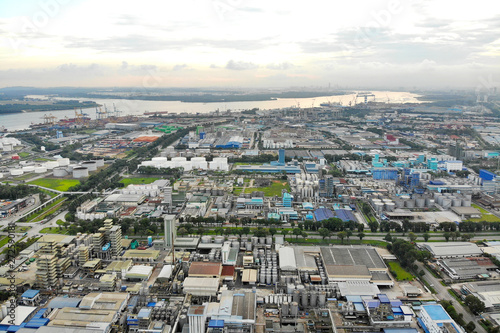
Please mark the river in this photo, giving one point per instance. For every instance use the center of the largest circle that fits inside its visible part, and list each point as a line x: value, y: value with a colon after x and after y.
x: 21, y: 121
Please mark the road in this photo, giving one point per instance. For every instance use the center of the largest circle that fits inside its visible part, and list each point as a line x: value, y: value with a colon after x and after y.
x: 443, y: 294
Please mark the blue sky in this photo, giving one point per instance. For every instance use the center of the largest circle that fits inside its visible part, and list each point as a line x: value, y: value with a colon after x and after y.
x: 249, y: 43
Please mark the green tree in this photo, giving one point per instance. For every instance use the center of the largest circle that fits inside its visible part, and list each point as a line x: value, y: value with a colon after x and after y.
x: 348, y: 234
x: 426, y: 236
x: 373, y: 226
x: 272, y: 231
x: 284, y: 232
x: 388, y: 237
x: 447, y: 235
x: 297, y: 232
x: 182, y: 231
x: 341, y: 235
x: 412, y: 236
x: 361, y: 235
x: 475, y: 304
x: 304, y: 234
x: 324, y: 232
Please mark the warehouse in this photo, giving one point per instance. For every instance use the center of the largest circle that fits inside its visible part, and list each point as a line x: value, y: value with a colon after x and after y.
x: 467, y: 268
x: 139, y: 273
x: 287, y: 259
x: 201, y: 286
x: 205, y: 269
x: 452, y: 250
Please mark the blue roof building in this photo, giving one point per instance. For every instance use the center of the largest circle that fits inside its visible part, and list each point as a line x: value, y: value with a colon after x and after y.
x: 433, y: 317
x: 287, y: 200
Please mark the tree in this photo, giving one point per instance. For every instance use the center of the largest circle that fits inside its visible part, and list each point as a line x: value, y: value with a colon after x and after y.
x: 475, y: 304
x: 388, y: 237
x: 246, y: 230
x: 348, y: 234
x: 304, y: 234
x: 182, y: 231
x: 361, y: 235
x: 341, y: 235
x: 447, y: 235
x: 412, y: 236
x: 361, y: 227
x: 324, y: 232
x: 297, y: 232
x: 284, y: 232
x: 373, y: 226
x: 219, y: 230
x: 272, y: 231
x: 426, y: 236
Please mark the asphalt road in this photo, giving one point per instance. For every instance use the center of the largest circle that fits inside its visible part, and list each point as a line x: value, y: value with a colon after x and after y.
x: 443, y: 294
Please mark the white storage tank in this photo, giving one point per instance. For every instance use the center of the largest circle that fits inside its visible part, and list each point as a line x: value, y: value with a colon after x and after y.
x: 29, y: 168
x: 420, y: 202
x: 63, y: 161
x: 90, y: 165
x: 16, y: 172
x: 40, y: 169
x: 80, y: 172
x: 410, y: 203
x: 1, y: 175
x: 389, y: 206
x: 446, y: 203
x: 60, y: 172
x: 51, y: 165
x: 99, y: 163
x: 466, y: 203
x: 456, y: 202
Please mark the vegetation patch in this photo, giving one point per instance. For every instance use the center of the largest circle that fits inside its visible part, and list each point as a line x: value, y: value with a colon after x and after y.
x: 138, y: 181
x: 53, y: 230
x: 399, y: 272
x: 274, y: 189
x: 56, y: 184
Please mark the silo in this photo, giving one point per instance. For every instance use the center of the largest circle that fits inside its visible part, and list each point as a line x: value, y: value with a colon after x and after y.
x: 296, y: 296
x: 268, y: 277
x: 290, y: 288
x: 40, y: 169
x: 429, y: 202
x: 466, y: 203
x: 410, y: 203
x: 262, y: 276
x: 322, y: 299
x: 16, y: 172
x: 269, y: 240
x: 314, y: 298
x: 379, y: 207
x: 63, y: 161
x: 284, y: 309
x: 294, y: 309
x: 183, y: 320
x: 90, y: 165
x: 255, y: 240
x: 456, y: 202
x: 305, y: 299
x: 51, y: 165
x: 99, y: 163
x: 389, y: 206
x: 446, y: 203
x: 420, y: 202
x: 219, y: 239
x: 399, y: 203
x: 80, y: 172
x: 275, y: 278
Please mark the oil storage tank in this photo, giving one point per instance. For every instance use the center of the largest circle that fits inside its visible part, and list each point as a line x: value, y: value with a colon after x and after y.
x: 80, y: 172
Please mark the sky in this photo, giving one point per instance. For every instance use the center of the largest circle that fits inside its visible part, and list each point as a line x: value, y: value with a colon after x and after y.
x: 394, y: 44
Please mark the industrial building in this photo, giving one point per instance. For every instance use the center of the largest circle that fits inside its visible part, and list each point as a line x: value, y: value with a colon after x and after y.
x: 452, y: 250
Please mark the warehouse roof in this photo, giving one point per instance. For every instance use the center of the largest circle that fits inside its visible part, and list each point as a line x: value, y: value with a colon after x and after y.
x: 249, y: 276
x: 166, y: 272
x: 139, y: 272
x: 304, y: 257
x: 353, y: 256
x: 348, y: 271
x: 287, y: 259
x: 452, y: 249
x: 205, y: 268
x: 362, y: 288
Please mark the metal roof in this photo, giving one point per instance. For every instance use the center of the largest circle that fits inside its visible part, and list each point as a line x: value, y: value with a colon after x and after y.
x: 287, y: 259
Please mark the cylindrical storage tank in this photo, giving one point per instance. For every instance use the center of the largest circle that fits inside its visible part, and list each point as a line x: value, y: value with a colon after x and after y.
x: 99, y: 163
x: 420, y: 202
x: 183, y: 320
x: 29, y: 168
x: 296, y: 296
x: 466, y: 203
x: 456, y: 202
x: 322, y: 299
x: 40, y: 169
x: 446, y: 203
x: 410, y: 203
x: 399, y: 203
x: 63, y: 161
x: 305, y: 299
x: 60, y: 172
x: 72, y: 166
x: 440, y: 199
x: 255, y: 240
x: 219, y: 239
x: 80, y: 172
x: 1, y: 175
x: 16, y: 172
x: 206, y: 239
x: 91, y: 165
x: 262, y: 276
x: 249, y: 246
x: 262, y: 240
x: 294, y: 309
x: 268, y: 278
x: 290, y: 288
x: 379, y: 207
x: 51, y: 165
x: 405, y: 197
x: 284, y: 309
x: 269, y: 240
x: 314, y: 298
x: 275, y: 278
x: 235, y: 244
x: 389, y: 206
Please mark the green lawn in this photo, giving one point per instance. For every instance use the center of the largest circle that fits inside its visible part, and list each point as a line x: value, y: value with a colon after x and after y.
x: 485, y: 215
x: 269, y: 191
x: 18, y: 229
x: 4, y: 240
x: 53, y: 230
x: 26, y: 176
x: 37, y: 217
x: 237, y: 190
x: 401, y: 274
x: 138, y: 181
x: 23, y: 154
x: 56, y: 184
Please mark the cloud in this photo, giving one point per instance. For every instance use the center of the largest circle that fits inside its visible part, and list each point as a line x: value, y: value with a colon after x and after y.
x: 280, y: 66
x: 240, y: 65
x: 179, y: 67
x: 214, y: 66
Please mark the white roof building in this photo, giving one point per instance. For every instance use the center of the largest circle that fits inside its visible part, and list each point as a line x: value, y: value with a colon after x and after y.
x: 452, y: 249
x: 287, y: 259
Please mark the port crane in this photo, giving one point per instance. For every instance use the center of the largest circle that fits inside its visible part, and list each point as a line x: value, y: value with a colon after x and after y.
x: 365, y: 96
x: 50, y: 119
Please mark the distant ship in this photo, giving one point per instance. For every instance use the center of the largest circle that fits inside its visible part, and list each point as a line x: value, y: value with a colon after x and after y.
x: 330, y: 104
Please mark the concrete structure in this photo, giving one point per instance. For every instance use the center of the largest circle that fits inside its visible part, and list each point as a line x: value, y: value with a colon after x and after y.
x: 434, y: 317
x: 452, y: 249
x: 170, y: 231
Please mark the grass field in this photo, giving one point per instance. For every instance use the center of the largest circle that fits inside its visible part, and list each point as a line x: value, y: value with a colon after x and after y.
x: 23, y: 154
x: 485, y: 215
x: 237, y: 190
x: 401, y: 274
x: 56, y: 184
x: 18, y: 229
x: 138, y: 181
x: 53, y: 230
x: 4, y: 240
x: 269, y: 191
x: 36, y: 217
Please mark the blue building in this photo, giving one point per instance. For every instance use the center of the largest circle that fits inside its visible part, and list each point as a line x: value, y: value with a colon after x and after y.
x: 287, y: 200
x: 385, y: 174
x: 281, y: 156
